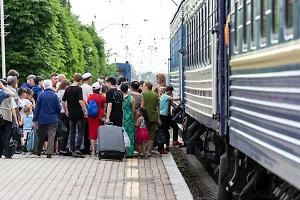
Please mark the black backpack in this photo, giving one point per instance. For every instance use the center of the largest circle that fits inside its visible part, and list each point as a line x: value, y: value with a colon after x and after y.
x: 35, y: 96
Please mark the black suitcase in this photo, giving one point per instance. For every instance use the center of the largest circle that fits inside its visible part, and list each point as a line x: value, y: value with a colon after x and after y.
x: 110, y: 142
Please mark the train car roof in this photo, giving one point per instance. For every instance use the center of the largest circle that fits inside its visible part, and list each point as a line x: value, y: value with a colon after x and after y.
x: 178, y: 10
x: 123, y: 65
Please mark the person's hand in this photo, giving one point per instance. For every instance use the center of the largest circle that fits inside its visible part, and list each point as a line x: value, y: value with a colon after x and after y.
x: 1, y: 85
x: 85, y: 113
x: 159, y: 122
x: 16, y: 123
x: 33, y: 125
x: 107, y: 121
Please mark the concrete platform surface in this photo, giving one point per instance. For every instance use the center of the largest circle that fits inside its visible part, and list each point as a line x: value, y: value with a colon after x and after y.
x: 31, y: 177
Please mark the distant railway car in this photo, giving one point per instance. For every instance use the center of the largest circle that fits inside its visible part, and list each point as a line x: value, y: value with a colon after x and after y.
x: 125, y: 69
x: 242, y: 99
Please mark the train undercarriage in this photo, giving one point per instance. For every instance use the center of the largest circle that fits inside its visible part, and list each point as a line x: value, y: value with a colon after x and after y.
x: 237, y: 175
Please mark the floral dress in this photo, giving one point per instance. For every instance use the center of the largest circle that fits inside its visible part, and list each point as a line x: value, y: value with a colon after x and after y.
x: 128, y: 124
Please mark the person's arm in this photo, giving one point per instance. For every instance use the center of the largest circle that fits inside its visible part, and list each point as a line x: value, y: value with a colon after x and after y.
x: 138, y: 122
x: 133, y: 107
x: 64, y: 105
x: 11, y: 94
x: 21, y: 121
x: 82, y: 104
x: 108, y: 112
x: 174, y: 99
x: 142, y: 101
x: 14, y: 107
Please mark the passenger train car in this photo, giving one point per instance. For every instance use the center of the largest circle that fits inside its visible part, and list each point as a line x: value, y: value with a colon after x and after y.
x: 242, y: 100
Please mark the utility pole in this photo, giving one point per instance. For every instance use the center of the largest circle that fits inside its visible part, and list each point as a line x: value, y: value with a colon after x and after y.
x: 2, y: 39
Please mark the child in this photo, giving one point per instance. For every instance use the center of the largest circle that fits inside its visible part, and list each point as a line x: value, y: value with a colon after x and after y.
x: 142, y: 134
x: 26, y: 121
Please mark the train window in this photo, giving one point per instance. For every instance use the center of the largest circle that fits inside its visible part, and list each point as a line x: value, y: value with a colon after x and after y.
x: 289, y: 14
x: 263, y: 21
x: 245, y: 21
x: 275, y: 17
x: 253, y: 21
x: 197, y: 39
x: 235, y: 25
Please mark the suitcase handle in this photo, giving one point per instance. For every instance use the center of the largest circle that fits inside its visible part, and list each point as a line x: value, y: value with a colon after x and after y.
x: 108, y: 123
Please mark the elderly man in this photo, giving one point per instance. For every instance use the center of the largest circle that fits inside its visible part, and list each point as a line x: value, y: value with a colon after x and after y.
x: 46, y: 114
x: 8, y: 111
x: 30, y: 82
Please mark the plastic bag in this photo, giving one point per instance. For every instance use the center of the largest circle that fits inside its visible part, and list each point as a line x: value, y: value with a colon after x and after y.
x: 126, y: 139
x: 159, y: 138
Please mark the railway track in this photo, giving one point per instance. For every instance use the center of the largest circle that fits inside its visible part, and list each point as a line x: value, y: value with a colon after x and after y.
x: 203, y: 179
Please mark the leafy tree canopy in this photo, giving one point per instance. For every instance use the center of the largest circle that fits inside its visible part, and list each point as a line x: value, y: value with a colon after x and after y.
x: 45, y: 37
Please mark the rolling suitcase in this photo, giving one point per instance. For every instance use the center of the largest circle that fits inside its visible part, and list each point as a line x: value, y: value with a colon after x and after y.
x: 110, y: 142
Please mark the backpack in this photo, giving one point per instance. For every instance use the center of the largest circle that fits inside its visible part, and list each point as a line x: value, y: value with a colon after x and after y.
x: 93, y: 109
x: 31, y: 142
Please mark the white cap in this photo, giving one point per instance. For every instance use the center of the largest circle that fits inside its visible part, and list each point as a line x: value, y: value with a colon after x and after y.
x: 86, y: 75
x: 96, y: 86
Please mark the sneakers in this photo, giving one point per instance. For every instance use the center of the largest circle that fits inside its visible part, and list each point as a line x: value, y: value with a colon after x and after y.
x: 78, y: 154
x: 176, y: 143
x: 163, y: 151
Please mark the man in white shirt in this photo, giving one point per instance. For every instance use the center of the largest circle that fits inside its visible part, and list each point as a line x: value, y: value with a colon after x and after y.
x: 86, y: 86
x: 86, y: 91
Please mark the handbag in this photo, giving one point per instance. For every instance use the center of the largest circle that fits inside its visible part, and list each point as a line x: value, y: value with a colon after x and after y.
x: 16, y: 133
x: 1, y: 120
x: 61, y: 129
x: 159, y: 138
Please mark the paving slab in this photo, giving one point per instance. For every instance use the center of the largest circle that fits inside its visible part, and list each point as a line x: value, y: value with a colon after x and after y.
x: 32, y: 177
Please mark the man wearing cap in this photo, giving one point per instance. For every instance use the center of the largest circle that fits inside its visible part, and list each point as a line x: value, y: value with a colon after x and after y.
x: 30, y: 82
x: 86, y: 91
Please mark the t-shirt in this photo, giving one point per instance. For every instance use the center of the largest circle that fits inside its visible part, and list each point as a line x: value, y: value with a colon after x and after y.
x: 164, y: 105
x: 151, y: 102
x: 3, y: 95
x: 72, y: 96
x: 115, y: 97
x: 22, y: 103
x: 86, y: 91
x: 14, y: 91
x: 60, y: 95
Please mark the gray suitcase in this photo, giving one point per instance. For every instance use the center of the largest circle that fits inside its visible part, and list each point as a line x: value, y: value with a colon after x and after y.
x: 110, y: 142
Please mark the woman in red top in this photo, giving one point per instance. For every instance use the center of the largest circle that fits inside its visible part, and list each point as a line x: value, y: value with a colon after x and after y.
x: 94, y: 122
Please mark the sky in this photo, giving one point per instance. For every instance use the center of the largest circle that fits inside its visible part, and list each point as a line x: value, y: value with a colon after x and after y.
x: 135, y: 30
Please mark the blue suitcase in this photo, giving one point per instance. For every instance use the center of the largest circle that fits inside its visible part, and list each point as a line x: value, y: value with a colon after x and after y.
x: 110, y: 142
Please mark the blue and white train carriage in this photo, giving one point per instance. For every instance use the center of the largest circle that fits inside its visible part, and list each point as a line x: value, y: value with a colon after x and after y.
x: 242, y: 100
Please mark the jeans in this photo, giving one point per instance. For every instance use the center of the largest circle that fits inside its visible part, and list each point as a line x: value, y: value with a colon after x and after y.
x: 5, y: 135
x: 50, y: 131
x: 80, y: 126
x: 167, y: 122
x: 64, y: 118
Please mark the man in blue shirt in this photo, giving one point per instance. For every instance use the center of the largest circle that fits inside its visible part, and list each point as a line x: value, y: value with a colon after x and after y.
x: 30, y: 82
x: 4, y: 92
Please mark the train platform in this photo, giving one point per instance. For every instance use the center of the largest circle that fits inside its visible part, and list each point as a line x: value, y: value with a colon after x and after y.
x: 67, y: 178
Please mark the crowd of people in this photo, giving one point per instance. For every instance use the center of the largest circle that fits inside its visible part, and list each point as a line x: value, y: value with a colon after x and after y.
x: 40, y: 105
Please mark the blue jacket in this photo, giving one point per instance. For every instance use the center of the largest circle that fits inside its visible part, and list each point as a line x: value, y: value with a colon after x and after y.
x: 37, y: 89
x: 26, y: 86
x: 47, y: 108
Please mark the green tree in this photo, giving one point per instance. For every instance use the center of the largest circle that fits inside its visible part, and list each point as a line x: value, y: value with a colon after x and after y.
x: 44, y: 36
